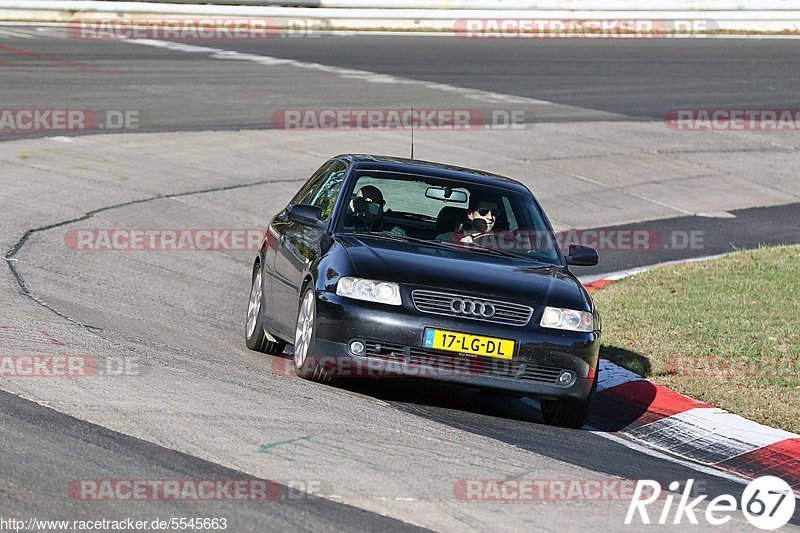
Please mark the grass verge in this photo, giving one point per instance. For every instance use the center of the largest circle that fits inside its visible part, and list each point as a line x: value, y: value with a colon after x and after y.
x: 725, y: 331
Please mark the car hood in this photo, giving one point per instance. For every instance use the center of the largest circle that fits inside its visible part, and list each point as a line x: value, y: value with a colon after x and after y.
x: 465, y: 272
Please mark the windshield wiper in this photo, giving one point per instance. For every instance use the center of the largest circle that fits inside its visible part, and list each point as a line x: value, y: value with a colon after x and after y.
x: 456, y: 245
x: 480, y: 248
x: 404, y: 238
x: 383, y: 234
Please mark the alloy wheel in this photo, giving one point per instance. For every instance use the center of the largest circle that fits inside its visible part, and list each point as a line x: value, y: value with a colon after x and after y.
x: 254, y: 306
x: 305, y: 330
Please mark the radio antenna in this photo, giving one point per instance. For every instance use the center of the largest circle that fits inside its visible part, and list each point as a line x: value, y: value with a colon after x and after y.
x: 412, y: 133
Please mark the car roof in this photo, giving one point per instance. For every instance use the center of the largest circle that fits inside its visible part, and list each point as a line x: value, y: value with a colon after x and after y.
x: 428, y: 168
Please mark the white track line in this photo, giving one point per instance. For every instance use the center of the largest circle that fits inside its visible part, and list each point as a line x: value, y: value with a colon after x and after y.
x: 708, y: 435
x: 16, y: 33
x: 31, y: 32
x: 351, y: 74
x: 52, y: 32
x: 619, y: 274
x: 724, y: 474
x: 635, y: 446
x: 611, y: 375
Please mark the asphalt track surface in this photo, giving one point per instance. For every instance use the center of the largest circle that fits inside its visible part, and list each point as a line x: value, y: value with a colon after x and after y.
x: 174, y: 91
x: 42, y: 455
x: 642, y: 78
x: 639, y: 79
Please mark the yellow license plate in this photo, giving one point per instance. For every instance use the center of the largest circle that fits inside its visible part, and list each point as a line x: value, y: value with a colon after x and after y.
x: 452, y: 341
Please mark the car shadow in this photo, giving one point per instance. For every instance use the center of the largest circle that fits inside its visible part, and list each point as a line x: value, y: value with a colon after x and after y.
x: 617, y: 408
x: 611, y: 410
x: 424, y: 394
x: 420, y: 394
x: 633, y: 361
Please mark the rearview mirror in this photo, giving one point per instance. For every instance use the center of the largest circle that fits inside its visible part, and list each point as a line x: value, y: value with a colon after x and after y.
x: 582, y: 256
x: 307, y: 215
x: 446, y: 195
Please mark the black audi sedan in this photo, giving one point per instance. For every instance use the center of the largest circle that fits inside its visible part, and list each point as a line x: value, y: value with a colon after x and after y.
x: 384, y: 266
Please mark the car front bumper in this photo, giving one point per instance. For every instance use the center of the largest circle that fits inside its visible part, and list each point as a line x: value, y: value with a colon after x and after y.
x: 393, y: 338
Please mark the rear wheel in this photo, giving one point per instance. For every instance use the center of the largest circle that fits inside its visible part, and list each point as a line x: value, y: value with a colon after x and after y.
x: 255, y: 338
x: 305, y: 363
x: 569, y: 413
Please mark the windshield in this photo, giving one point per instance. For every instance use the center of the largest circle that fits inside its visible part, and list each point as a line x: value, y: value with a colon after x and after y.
x: 448, y: 213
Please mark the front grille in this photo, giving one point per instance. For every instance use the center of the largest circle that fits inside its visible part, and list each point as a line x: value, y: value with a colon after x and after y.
x: 460, y: 365
x: 441, y: 303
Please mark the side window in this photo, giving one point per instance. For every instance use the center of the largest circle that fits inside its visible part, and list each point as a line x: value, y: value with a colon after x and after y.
x: 304, y: 195
x: 325, y: 196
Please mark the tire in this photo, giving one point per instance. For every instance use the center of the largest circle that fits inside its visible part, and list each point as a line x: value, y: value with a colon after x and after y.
x: 254, y: 335
x: 569, y: 413
x: 305, y: 363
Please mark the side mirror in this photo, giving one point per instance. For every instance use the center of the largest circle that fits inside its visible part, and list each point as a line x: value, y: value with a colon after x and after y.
x: 582, y: 256
x: 307, y: 215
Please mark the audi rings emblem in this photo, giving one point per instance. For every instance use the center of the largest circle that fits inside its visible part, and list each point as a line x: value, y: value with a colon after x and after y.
x: 472, y: 307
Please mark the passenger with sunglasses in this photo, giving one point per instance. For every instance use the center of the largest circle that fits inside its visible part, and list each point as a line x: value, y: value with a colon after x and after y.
x: 482, y: 216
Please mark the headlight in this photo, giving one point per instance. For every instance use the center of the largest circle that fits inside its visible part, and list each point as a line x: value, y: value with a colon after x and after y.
x: 569, y: 319
x: 368, y: 290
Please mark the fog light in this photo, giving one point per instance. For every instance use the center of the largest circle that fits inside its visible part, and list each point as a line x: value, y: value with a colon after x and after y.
x: 357, y: 348
x: 565, y: 378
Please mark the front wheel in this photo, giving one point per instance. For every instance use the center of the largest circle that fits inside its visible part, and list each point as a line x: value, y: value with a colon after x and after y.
x: 255, y: 338
x: 305, y: 364
x: 569, y: 413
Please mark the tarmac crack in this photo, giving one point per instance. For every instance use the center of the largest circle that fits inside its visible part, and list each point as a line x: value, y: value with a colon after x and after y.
x: 25, y: 290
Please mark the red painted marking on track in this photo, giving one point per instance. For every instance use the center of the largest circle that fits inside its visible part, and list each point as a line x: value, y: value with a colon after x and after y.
x: 52, y: 340
x: 21, y: 64
x: 12, y: 333
x: 637, y: 403
x: 597, y: 284
x: 59, y: 61
x: 781, y: 459
x: 655, y: 401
